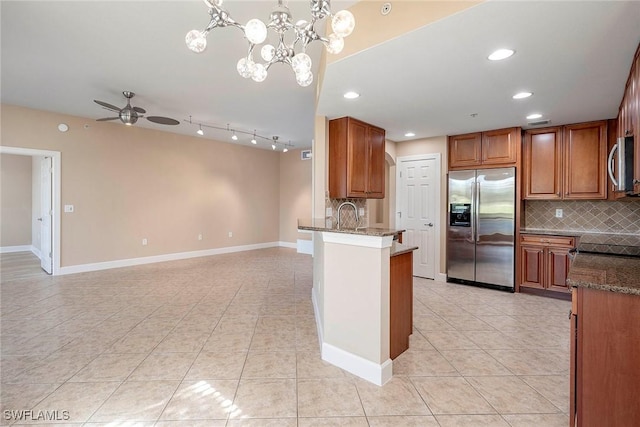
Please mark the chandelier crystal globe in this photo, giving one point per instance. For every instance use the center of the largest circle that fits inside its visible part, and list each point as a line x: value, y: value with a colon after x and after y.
x: 280, y: 22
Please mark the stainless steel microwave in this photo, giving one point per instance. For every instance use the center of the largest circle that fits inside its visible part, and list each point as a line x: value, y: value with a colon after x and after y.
x: 620, y: 167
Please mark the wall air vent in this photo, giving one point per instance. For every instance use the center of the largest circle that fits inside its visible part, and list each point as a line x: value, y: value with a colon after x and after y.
x: 540, y: 123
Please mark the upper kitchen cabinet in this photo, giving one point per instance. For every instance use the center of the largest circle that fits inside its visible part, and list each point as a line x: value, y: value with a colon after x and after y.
x: 629, y: 114
x: 543, y: 164
x: 356, y: 159
x: 484, y: 149
x: 566, y: 162
x: 585, y: 160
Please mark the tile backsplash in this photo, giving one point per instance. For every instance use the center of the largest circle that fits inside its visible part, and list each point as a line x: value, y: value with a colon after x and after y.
x: 348, y: 214
x: 584, y: 215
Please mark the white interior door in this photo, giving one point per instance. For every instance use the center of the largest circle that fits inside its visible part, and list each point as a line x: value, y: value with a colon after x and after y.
x: 46, y: 203
x: 418, y: 180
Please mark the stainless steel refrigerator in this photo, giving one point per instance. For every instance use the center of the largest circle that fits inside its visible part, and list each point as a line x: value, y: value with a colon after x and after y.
x: 481, y: 227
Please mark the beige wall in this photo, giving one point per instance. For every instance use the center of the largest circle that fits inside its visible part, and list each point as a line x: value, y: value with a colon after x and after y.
x: 295, y: 195
x: 432, y: 146
x: 130, y: 183
x: 15, y: 200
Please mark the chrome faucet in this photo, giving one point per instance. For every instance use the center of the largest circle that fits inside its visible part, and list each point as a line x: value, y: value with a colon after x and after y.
x: 355, y: 210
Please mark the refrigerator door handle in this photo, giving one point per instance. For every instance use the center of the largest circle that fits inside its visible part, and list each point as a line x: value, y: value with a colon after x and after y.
x: 476, y: 213
x: 473, y: 211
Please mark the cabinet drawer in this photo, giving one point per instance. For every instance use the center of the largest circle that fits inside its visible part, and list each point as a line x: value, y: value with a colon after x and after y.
x: 539, y: 239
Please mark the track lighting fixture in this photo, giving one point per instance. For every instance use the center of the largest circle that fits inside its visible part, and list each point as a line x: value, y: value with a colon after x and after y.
x: 275, y: 143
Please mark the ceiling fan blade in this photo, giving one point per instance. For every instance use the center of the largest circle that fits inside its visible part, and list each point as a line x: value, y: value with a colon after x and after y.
x: 163, y: 120
x: 105, y: 119
x: 139, y: 110
x: 106, y: 105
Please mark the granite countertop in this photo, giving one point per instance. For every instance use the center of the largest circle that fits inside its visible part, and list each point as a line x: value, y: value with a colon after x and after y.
x: 320, y: 225
x: 606, y: 273
x: 614, y: 244
x: 399, y: 248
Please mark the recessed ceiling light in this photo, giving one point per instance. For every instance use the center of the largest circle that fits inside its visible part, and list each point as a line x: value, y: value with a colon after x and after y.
x: 501, y: 54
x: 534, y: 116
x: 351, y: 95
x: 522, y: 95
x: 409, y: 134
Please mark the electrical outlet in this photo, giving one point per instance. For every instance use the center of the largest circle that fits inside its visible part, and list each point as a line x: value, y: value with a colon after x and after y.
x: 329, y: 212
x: 144, y: 242
x: 68, y: 208
x: 558, y: 213
x: 361, y: 211
x: 231, y: 234
x: 200, y: 236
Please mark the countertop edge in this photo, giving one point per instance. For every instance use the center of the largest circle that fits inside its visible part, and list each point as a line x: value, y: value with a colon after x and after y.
x: 399, y: 249
x: 365, y: 231
x: 609, y: 273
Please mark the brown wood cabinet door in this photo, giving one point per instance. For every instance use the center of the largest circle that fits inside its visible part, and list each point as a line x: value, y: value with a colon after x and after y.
x: 557, y: 269
x: 542, y: 177
x: 465, y: 150
x: 499, y: 147
x: 400, y: 303
x: 357, y: 159
x: 607, y: 375
x: 585, y: 154
x: 636, y: 121
x: 375, y: 175
x: 532, y: 267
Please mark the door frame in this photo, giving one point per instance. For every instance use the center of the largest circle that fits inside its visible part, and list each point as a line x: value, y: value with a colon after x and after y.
x: 55, y: 195
x: 437, y: 253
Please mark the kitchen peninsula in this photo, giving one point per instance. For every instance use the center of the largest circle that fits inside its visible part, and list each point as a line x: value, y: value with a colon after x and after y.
x: 362, y: 297
x: 605, y: 320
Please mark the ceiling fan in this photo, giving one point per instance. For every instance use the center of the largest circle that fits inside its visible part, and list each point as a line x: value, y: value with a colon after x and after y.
x: 129, y: 115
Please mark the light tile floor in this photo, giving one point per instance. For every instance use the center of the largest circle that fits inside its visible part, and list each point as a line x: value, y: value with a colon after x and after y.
x: 230, y: 340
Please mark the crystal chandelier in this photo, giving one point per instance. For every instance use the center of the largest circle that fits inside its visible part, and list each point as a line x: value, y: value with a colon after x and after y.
x: 280, y: 21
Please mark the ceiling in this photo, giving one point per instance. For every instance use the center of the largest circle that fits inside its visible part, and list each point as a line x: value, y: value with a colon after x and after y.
x: 574, y: 56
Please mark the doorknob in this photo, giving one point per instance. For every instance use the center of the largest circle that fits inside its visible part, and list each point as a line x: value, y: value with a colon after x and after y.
x: 40, y: 219
x: 430, y: 224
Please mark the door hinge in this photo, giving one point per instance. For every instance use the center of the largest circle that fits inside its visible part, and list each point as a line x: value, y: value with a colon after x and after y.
x: 50, y: 254
x: 400, y: 213
x: 400, y: 174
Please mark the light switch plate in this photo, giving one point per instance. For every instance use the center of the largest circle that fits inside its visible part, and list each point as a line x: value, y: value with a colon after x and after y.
x: 68, y: 208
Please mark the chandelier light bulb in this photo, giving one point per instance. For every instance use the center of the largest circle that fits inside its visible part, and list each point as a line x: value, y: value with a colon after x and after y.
x: 234, y: 136
x: 304, y: 79
x: 301, y: 63
x: 256, y: 31
x: 343, y: 23
x: 253, y: 140
x: 336, y: 44
x: 273, y: 146
x: 285, y: 150
x: 268, y: 52
x: 200, y: 131
x: 259, y: 73
x: 196, y: 41
x: 245, y: 67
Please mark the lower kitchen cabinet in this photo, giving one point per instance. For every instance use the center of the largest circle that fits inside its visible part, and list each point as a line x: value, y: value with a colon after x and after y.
x: 544, y: 261
x: 605, y: 349
x: 401, y: 302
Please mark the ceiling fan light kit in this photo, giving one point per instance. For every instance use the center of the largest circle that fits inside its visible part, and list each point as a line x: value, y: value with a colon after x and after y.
x: 281, y: 22
x: 129, y: 115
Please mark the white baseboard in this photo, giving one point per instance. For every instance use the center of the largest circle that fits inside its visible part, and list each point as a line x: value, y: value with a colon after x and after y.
x: 287, y: 245
x: 359, y: 366
x: 11, y: 249
x: 441, y: 277
x: 36, y: 252
x: 305, y: 247
x: 83, y: 268
x: 316, y: 313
